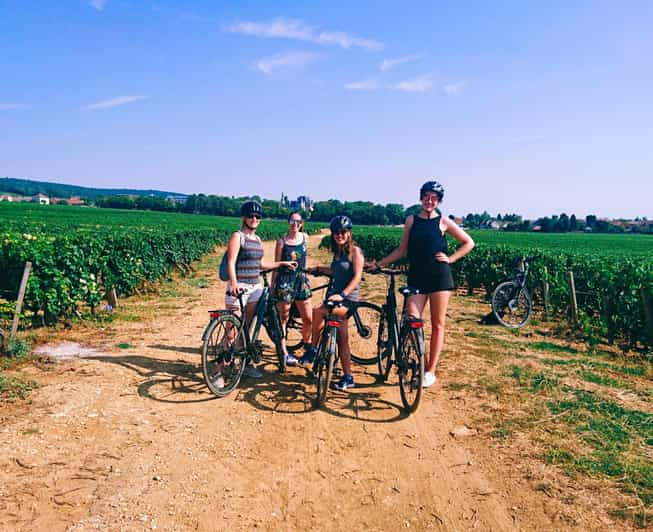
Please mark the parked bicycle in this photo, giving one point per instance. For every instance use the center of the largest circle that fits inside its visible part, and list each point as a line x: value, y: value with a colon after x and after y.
x: 511, y: 302
x: 401, y: 344
x: 228, y: 345
x: 327, y: 353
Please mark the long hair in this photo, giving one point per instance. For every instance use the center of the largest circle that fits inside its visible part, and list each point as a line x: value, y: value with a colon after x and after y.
x: 347, y: 249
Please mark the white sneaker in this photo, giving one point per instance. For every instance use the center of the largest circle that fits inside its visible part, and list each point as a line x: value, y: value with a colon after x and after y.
x: 219, y: 382
x: 428, y: 380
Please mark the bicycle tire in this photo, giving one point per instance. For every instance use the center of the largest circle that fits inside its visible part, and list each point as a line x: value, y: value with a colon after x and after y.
x: 367, y: 346
x: 383, y: 349
x: 275, y: 332
x: 511, y: 305
x: 294, y: 337
x: 410, y: 368
x: 223, y: 362
x: 325, y: 359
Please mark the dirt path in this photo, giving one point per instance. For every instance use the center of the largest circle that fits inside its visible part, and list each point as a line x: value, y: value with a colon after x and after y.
x: 129, y: 439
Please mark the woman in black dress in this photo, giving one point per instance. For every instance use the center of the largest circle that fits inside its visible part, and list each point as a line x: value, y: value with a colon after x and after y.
x: 425, y: 243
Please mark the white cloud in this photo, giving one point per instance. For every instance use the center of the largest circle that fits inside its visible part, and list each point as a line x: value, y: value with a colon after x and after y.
x: 285, y: 61
x: 365, y: 85
x: 389, y: 64
x: 452, y: 89
x: 97, y: 4
x: 13, y: 106
x: 281, y: 28
x: 115, y: 102
x: 420, y: 84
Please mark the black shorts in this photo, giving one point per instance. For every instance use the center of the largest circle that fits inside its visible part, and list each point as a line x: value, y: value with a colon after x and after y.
x: 436, y: 277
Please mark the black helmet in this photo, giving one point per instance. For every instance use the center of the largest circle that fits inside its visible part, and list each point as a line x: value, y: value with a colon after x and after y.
x: 339, y: 223
x: 251, y: 207
x: 432, y: 186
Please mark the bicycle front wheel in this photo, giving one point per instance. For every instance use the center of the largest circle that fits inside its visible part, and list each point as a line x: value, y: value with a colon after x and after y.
x: 364, y: 333
x: 511, y: 305
x: 294, y: 337
x: 223, y: 355
x: 410, y: 368
x: 275, y: 332
x: 324, y: 361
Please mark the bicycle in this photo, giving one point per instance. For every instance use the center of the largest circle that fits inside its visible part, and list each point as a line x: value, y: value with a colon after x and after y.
x: 401, y: 344
x: 511, y: 302
x: 228, y: 345
x: 327, y: 353
x: 365, y: 315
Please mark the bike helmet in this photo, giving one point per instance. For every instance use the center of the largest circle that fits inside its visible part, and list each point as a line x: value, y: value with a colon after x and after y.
x: 250, y: 208
x: 432, y: 186
x: 340, y: 223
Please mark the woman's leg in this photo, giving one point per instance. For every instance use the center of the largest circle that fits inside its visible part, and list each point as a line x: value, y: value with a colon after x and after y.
x: 318, y: 321
x: 306, y: 312
x: 438, y: 302
x: 284, y: 313
x: 415, y: 305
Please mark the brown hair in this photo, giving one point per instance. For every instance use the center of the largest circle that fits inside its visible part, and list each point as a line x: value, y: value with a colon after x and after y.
x: 348, y: 248
x: 301, y: 226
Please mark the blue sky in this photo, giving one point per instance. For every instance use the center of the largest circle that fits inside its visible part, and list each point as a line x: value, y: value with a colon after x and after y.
x: 529, y: 107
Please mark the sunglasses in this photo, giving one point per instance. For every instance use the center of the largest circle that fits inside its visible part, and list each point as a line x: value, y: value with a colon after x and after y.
x: 295, y: 222
x: 340, y: 233
x: 257, y: 216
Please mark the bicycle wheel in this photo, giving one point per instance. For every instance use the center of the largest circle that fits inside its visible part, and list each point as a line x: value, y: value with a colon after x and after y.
x: 410, y: 368
x: 275, y: 332
x: 383, y: 349
x: 324, y: 361
x: 223, y: 355
x: 511, y: 305
x: 294, y: 338
x: 365, y: 341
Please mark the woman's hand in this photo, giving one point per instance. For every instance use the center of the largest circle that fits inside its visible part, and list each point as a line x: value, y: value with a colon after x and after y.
x: 371, y: 266
x: 442, y: 257
x: 292, y: 264
x: 235, y: 291
x: 336, y: 297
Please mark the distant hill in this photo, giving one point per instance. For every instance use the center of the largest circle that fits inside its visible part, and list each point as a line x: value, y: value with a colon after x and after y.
x: 29, y: 187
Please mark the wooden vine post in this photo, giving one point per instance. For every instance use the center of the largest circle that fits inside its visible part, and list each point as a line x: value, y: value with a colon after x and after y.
x: 648, y: 314
x: 545, y: 293
x: 574, y: 302
x: 19, y: 301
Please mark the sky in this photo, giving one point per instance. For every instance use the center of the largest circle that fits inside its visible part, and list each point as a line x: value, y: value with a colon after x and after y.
x: 535, y: 108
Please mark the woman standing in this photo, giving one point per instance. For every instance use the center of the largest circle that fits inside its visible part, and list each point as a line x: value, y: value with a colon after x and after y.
x: 244, y: 264
x: 346, y: 271
x: 429, y: 270
x: 291, y: 285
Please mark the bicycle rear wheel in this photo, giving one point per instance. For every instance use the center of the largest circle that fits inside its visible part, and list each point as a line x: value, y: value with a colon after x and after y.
x: 383, y: 349
x: 410, y: 368
x: 365, y: 342
x: 324, y: 361
x: 294, y: 338
x: 223, y: 355
x: 511, y: 304
x: 275, y: 332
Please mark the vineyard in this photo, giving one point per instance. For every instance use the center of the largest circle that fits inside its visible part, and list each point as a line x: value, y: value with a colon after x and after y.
x: 613, y: 275
x: 78, y: 254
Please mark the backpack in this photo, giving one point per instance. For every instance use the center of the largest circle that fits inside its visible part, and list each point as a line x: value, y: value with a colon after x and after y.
x: 223, y: 271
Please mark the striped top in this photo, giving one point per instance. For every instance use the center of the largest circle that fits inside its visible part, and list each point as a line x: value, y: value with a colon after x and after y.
x: 248, y: 263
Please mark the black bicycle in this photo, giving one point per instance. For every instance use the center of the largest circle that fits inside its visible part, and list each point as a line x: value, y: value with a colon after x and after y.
x: 365, y: 316
x: 327, y: 353
x: 401, y: 344
x: 228, y: 345
x: 511, y: 302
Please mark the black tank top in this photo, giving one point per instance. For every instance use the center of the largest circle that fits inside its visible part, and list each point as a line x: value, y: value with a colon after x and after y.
x: 424, y: 241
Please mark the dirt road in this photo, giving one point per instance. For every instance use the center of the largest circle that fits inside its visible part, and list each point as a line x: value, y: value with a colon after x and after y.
x: 130, y: 439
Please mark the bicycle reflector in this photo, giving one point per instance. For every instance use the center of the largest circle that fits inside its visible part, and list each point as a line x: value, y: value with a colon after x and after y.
x: 215, y: 314
x: 333, y: 322
x: 416, y: 324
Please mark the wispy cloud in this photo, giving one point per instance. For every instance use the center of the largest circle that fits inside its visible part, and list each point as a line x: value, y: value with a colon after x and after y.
x: 285, y: 61
x: 281, y: 28
x: 364, y: 85
x: 419, y: 84
x: 13, y: 106
x: 115, y: 102
x: 97, y: 4
x: 389, y: 64
x: 452, y: 89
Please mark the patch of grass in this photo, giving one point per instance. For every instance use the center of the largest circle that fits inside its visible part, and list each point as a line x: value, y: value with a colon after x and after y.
x: 17, y: 348
x: 490, y: 384
x: 126, y: 316
x: 124, y: 345
x: 198, y: 282
x: 603, y: 380
x: 457, y: 386
x: 542, y: 381
x: 551, y: 347
x: 13, y: 388
x: 475, y: 334
x: 642, y: 519
x: 30, y: 431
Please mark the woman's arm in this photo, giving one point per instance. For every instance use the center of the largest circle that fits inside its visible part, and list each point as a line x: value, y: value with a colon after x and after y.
x: 278, y: 250
x: 233, y: 247
x: 402, y: 249
x: 466, y: 242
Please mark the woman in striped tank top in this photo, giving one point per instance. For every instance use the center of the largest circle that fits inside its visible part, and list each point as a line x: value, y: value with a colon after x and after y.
x: 244, y: 264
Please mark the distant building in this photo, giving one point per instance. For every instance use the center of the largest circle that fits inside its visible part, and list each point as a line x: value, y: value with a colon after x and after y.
x: 41, y: 199
x: 6, y: 197
x: 302, y: 203
x: 179, y: 200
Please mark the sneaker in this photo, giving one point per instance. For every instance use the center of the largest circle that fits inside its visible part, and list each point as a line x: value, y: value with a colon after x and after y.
x: 291, y: 360
x: 307, y: 360
x: 346, y: 382
x: 219, y: 381
x: 252, y: 372
x: 429, y: 379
